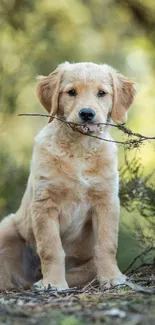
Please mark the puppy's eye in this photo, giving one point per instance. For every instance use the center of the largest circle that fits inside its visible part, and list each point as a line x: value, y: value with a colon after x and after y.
x: 72, y: 92
x: 101, y: 93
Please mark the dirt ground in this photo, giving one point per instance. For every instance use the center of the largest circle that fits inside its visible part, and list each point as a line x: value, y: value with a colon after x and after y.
x: 128, y: 305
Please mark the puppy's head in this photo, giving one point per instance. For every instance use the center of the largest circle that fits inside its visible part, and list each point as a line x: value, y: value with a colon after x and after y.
x: 84, y: 93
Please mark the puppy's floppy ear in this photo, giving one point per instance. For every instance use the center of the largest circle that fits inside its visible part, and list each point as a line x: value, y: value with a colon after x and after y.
x: 124, y: 95
x: 48, y: 90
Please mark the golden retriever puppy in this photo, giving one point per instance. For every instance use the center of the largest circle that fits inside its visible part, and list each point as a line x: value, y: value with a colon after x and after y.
x: 66, y: 229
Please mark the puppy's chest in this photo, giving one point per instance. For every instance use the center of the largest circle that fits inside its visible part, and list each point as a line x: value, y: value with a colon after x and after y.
x: 87, y: 172
x: 81, y: 182
x: 82, y: 188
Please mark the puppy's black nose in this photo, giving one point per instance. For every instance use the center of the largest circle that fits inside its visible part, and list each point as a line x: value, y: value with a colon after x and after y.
x: 87, y: 114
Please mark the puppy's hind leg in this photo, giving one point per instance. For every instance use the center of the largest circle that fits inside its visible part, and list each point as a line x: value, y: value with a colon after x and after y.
x: 81, y: 275
x: 16, y: 261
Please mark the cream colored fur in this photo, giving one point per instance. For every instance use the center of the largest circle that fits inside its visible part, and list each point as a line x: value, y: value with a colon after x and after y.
x: 65, y: 231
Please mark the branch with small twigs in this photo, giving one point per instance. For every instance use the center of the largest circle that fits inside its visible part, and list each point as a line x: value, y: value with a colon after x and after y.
x: 130, y: 143
x: 138, y: 257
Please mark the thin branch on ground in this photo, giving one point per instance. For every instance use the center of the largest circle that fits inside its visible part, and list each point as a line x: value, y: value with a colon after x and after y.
x: 89, y: 285
x: 144, y: 279
x: 139, y: 288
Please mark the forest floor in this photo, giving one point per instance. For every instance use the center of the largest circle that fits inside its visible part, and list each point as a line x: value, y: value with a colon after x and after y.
x: 127, y: 305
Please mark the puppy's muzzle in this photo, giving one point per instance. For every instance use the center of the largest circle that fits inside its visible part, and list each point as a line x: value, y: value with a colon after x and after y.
x: 87, y: 115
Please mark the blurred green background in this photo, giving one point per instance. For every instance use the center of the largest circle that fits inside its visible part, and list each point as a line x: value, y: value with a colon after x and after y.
x: 35, y: 36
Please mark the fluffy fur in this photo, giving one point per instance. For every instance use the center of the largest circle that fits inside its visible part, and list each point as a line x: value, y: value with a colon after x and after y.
x: 65, y: 231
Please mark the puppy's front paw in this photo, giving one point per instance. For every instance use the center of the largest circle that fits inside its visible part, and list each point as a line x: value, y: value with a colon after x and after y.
x: 45, y: 284
x: 115, y: 281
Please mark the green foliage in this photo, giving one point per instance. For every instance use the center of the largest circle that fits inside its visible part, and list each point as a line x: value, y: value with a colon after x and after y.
x: 71, y: 320
x: 137, y: 191
x: 12, y: 184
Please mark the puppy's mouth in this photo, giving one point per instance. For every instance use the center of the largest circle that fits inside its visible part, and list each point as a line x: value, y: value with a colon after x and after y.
x: 89, y: 128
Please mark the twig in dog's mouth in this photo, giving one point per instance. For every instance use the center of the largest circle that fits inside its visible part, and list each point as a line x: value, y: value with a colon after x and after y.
x: 86, y: 129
